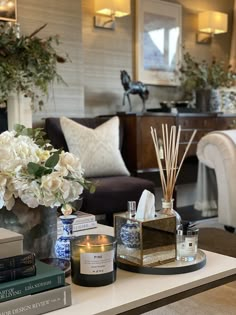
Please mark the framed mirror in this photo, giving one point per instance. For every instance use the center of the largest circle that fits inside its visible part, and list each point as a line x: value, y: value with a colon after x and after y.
x: 158, y: 42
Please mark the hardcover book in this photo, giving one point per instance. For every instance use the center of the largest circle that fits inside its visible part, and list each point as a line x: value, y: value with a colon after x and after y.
x: 47, y: 277
x: 82, y: 217
x: 39, y: 303
x: 17, y: 273
x: 79, y: 227
x: 17, y: 261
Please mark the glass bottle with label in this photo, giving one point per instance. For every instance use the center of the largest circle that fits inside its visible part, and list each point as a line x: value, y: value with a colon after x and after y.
x: 187, y: 242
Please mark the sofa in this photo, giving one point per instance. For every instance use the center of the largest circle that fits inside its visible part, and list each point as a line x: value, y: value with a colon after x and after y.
x: 217, y: 151
x: 112, y: 191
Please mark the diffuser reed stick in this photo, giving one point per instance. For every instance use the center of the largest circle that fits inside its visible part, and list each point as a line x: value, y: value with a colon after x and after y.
x: 168, y: 166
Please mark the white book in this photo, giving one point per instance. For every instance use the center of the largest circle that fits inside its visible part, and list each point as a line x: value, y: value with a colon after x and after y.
x: 82, y: 217
x: 39, y: 303
x: 78, y: 227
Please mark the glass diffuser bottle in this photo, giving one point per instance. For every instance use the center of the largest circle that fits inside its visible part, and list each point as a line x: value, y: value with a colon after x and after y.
x: 167, y: 209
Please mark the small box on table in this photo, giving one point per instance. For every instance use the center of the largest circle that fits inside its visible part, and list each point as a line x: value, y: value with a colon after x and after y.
x: 11, y: 243
x: 148, y: 242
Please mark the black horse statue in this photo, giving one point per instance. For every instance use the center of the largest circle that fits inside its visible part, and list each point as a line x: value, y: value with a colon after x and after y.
x: 133, y: 87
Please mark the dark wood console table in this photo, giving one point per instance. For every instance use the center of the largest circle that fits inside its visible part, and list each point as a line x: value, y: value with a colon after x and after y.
x: 139, y: 149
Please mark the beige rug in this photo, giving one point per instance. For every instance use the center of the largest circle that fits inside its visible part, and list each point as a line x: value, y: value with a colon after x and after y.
x: 218, y: 301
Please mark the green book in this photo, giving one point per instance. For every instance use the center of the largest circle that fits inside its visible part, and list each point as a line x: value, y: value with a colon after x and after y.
x: 47, y: 277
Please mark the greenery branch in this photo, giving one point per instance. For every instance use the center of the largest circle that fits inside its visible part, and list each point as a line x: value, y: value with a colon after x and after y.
x: 28, y: 64
x: 203, y: 75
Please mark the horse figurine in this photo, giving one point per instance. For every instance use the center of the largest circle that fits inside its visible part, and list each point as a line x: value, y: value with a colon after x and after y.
x: 133, y: 87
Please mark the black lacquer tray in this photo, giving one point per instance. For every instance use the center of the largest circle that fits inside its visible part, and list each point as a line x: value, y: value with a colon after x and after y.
x: 175, y: 267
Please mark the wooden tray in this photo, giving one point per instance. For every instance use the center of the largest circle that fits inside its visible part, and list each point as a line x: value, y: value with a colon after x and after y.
x: 174, y: 267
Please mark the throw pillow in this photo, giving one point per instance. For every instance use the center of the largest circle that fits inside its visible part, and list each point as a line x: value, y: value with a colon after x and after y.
x: 97, y: 149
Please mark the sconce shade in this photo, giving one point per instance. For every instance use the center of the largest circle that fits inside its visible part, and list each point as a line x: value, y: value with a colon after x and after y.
x: 212, y: 22
x: 117, y: 8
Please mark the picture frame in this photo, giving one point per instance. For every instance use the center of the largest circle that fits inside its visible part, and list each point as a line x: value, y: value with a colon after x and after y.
x: 8, y: 11
x: 158, y: 42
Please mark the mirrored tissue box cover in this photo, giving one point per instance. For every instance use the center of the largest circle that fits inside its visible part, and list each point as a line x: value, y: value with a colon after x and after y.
x: 148, y: 242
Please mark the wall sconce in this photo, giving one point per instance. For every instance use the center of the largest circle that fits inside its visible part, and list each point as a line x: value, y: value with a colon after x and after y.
x: 8, y: 10
x: 107, y: 10
x: 209, y: 24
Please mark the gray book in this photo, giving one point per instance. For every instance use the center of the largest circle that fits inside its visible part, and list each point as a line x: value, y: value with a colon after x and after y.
x: 39, y: 303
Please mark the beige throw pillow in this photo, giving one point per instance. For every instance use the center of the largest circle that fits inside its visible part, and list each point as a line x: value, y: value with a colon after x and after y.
x: 98, y: 149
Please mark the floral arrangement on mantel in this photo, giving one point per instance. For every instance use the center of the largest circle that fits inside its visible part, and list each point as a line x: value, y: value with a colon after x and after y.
x: 203, y: 75
x: 32, y: 170
x: 28, y: 64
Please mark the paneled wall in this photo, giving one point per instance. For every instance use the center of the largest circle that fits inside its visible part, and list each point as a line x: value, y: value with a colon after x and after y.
x: 63, y: 18
x: 98, y: 55
x: 106, y: 52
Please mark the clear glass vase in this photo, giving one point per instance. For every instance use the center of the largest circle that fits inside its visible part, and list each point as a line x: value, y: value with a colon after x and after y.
x: 37, y: 225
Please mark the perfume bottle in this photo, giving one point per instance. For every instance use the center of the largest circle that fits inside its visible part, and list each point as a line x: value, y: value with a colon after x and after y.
x: 131, y: 209
x: 186, y: 241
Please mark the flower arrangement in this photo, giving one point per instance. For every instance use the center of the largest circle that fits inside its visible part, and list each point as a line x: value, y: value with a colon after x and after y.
x: 202, y: 75
x: 32, y: 170
x: 28, y: 64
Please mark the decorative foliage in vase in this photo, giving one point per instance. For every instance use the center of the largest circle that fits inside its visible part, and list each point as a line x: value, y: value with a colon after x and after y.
x: 203, y: 75
x: 28, y: 64
x: 32, y: 170
x: 204, y: 79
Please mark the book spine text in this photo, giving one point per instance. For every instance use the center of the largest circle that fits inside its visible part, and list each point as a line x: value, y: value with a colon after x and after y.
x: 39, y: 303
x: 17, y: 261
x: 34, y: 285
x: 17, y: 273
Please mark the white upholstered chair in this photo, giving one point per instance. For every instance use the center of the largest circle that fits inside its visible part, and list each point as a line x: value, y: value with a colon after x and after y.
x: 217, y: 150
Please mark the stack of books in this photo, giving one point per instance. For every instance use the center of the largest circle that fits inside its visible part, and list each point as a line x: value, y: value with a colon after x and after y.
x: 38, y: 294
x: 83, y: 221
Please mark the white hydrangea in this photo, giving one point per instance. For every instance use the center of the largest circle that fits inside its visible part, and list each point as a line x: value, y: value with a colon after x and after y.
x: 62, y: 185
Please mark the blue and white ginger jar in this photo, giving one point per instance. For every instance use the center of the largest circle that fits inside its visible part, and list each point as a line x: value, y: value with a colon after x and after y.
x: 130, y: 234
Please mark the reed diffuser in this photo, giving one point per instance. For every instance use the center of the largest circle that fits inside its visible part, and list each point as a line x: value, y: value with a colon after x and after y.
x: 167, y: 154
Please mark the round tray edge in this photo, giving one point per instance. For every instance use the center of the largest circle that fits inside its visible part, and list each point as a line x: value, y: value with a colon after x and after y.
x: 166, y: 269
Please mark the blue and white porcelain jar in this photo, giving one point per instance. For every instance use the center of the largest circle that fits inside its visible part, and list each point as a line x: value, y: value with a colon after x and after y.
x: 130, y: 234
x: 62, y: 246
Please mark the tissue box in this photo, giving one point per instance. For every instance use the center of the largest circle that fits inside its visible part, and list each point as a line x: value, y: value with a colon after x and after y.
x: 11, y: 243
x: 148, y: 242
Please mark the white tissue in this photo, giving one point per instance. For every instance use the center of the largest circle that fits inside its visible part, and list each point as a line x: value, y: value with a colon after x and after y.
x: 146, y: 206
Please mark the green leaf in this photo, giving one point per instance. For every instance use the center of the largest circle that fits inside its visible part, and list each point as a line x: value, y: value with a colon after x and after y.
x: 52, y: 160
x: 37, y: 170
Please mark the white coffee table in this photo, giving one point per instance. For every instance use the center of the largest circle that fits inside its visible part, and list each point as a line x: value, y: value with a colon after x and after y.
x: 135, y: 293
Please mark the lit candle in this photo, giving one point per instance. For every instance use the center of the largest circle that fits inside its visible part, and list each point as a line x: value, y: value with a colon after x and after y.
x: 93, y: 260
